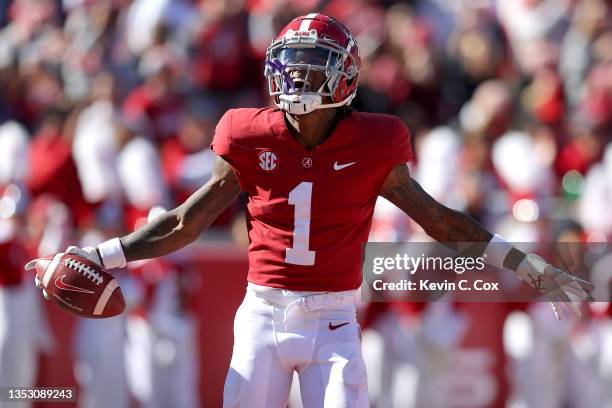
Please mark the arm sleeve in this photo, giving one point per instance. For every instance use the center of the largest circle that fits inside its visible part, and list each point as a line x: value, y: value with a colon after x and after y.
x: 223, y: 147
x: 221, y: 143
x: 400, y: 148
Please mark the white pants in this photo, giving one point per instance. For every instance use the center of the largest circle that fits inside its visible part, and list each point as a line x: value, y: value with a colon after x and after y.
x: 277, y: 332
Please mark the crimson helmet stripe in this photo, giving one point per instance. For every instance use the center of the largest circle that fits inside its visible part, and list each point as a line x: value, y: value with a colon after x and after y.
x: 305, y: 25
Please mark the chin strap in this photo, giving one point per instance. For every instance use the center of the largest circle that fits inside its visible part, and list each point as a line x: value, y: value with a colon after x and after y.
x: 303, y: 104
x: 299, y: 104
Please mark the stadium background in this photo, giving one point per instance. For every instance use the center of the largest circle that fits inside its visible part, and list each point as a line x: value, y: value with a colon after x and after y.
x: 107, y: 108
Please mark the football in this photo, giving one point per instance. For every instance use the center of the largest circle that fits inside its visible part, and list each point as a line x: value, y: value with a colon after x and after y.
x: 80, y: 286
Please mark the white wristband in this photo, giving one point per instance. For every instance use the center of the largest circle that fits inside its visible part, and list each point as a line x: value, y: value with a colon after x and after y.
x: 496, y: 251
x: 112, y: 254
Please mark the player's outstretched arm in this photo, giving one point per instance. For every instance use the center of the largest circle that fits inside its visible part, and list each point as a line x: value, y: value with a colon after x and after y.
x: 440, y: 222
x: 450, y: 226
x: 166, y: 233
x: 184, y: 224
x: 171, y: 230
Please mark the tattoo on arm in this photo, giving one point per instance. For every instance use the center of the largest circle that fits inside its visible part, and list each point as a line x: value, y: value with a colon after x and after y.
x: 182, y: 225
x: 440, y: 222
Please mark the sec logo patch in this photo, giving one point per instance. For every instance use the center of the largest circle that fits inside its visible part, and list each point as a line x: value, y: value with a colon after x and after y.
x: 268, y: 160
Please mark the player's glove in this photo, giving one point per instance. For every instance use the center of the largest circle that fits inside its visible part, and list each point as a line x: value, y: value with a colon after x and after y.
x: 554, y: 283
x: 32, y: 266
x: 89, y: 252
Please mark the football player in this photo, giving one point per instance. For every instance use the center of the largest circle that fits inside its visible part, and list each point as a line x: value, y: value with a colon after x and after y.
x: 312, y: 169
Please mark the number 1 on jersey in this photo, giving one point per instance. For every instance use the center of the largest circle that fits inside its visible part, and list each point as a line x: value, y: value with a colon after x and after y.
x: 301, y: 198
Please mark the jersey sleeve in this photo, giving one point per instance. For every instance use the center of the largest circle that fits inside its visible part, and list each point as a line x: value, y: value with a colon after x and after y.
x: 221, y: 143
x: 224, y: 146
x: 400, y: 147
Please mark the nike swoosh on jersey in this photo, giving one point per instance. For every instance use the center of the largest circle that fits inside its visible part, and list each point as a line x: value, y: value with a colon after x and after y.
x: 342, y: 166
x: 59, y: 283
x: 334, y: 327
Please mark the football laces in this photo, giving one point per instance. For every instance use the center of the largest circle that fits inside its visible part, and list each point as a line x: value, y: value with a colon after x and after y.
x: 84, y: 270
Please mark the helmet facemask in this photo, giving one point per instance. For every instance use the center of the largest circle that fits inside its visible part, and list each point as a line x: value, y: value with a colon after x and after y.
x: 291, y: 67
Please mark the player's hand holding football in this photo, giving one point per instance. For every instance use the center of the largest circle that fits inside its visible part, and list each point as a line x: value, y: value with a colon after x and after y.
x: 87, y: 252
x: 77, y: 279
x: 554, y: 283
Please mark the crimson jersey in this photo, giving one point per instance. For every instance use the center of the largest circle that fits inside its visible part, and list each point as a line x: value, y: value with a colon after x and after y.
x: 309, y: 211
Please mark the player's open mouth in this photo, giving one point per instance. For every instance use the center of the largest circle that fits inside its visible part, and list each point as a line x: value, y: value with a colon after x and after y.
x: 301, y: 83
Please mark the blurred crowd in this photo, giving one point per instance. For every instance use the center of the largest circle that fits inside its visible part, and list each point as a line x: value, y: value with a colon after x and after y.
x: 108, y: 107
